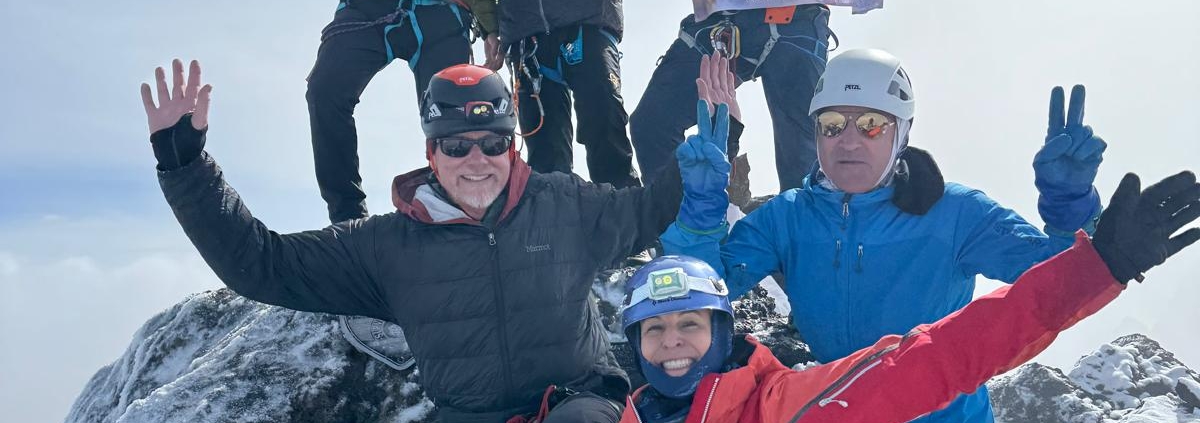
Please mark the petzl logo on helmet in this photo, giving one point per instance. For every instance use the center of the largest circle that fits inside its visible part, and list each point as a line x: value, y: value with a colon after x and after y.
x: 466, y: 80
x: 668, y: 283
x: 852, y: 87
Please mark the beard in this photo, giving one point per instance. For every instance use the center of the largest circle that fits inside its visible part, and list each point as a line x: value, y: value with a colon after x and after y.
x: 478, y: 198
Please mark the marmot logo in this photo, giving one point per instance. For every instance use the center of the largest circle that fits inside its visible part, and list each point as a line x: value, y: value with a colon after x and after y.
x: 852, y: 87
x: 536, y: 248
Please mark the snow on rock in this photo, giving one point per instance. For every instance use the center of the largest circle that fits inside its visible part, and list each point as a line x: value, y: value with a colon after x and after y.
x: 217, y: 357
x: 1132, y: 379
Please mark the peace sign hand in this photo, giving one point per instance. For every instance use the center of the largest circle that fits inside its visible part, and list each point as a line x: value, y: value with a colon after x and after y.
x: 704, y: 169
x: 179, y: 101
x: 1066, y: 166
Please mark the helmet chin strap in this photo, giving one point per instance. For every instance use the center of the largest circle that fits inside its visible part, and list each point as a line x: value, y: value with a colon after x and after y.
x: 899, y: 143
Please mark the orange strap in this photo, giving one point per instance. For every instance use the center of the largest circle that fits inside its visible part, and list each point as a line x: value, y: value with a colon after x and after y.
x: 780, y: 15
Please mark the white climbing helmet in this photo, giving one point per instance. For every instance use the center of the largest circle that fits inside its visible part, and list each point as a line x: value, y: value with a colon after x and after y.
x: 866, y: 78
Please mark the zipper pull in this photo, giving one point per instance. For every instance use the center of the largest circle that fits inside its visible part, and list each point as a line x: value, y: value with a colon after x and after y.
x: 826, y: 401
x: 491, y: 239
x: 837, y: 256
x: 858, y: 266
x: 846, y: 210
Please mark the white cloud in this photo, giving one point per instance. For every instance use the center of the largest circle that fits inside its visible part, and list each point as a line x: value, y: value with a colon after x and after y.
x: 63, y: 315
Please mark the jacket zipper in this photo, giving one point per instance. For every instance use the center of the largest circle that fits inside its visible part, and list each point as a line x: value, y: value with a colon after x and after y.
x: 708, y: 403
x: 633, y: 405
x: 844, y: 404
x: 846, y: 300
x: 853, y: 370
x: 501, y: 321
x: 545, y: 23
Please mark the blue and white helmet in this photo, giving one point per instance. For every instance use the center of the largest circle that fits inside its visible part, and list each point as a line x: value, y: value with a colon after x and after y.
x: 671, y: 284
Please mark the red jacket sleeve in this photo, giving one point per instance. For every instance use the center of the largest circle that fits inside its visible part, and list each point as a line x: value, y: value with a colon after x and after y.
x: 934, y: 363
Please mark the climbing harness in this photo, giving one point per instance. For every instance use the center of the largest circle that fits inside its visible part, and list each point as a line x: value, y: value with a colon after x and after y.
x: 405, y: 12
x: 725, y: 38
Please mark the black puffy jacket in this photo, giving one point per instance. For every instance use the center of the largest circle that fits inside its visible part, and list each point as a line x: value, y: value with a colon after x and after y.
x: 492, y: 314
x: 522, y: 18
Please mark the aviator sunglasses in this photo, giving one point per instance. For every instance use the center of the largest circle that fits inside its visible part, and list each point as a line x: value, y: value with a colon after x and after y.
x: 491, y: 145
x: 871, y: 124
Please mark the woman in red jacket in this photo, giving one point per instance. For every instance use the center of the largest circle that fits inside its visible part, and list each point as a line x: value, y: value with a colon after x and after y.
x: 679, y: 322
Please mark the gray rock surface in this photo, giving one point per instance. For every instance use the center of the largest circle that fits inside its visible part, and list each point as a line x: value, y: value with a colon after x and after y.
x: 217, y: 357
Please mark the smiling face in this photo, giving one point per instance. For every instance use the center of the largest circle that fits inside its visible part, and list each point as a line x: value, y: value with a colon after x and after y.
x: 852, y: 160
x: 475, y: 180
x: 675, y: 341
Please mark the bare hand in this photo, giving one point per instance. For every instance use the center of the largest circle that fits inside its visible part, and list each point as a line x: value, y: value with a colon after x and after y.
x: 716, y: 84
x: 492, y: 53
x: 180, y: 100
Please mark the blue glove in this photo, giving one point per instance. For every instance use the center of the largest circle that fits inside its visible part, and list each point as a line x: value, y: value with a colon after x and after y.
x: 1066, y: 166
x: 705, y: 172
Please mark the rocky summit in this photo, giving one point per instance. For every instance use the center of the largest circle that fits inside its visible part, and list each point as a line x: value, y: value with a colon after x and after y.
x: 218, y: 357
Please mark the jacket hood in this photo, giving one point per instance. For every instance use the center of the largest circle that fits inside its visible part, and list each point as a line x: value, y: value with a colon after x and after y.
x: 412, y: 196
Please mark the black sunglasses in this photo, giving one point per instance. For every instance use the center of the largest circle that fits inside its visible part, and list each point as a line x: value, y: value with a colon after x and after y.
x: 491, y: 145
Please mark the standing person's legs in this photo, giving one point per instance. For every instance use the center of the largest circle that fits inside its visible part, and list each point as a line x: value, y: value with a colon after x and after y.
x: 585, y: 408
x: 550, y: 142
x: 436, y: 39
x: 790, y: 75
x: 596, y: 85
x: 346, y: 62
x: 667, y: 108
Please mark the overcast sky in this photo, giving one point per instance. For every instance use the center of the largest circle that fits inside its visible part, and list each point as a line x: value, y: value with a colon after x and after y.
x: 89, y: 250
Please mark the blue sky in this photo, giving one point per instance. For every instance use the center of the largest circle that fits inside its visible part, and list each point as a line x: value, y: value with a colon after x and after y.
x: 89, y: 251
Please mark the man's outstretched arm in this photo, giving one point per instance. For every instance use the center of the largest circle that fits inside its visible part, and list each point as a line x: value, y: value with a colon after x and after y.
x: 330, y: 270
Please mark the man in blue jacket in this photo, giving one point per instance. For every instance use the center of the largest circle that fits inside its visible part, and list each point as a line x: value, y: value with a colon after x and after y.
x: 875, y: 242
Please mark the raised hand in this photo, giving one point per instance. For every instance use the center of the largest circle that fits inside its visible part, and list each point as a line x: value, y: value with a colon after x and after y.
x: 494, y: 58
x: 705, y: 170
x: 1066, y: 166
x: 716, y: 84
x: 179, y: 100
x: 1134, y: 232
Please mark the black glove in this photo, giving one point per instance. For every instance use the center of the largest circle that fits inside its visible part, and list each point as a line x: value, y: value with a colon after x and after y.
x: 178, y: 145
x: 1134, y: 232
x: 919, y: 183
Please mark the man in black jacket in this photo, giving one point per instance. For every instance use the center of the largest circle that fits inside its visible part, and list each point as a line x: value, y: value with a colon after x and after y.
x: 564, y: 53
x: 364, y: 37
x: 486, y: 265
